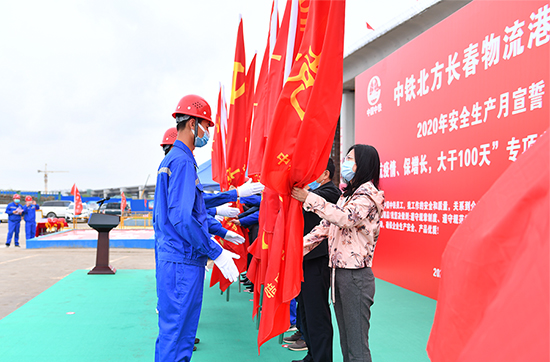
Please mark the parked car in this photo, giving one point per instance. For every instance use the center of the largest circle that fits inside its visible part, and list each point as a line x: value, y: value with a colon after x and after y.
x: 54, y: 208
x: 3, y: 215
x: 84, y: 215
x: 93, y: 206
x: 113, y: 208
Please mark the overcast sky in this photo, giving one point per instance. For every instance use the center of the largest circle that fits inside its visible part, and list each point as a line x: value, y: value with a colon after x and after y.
x: 88, y: 87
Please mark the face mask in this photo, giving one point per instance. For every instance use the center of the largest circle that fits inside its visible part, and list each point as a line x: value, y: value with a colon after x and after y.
x: 16, y: 201
x: 346, y: 170
x: 199, y: 142
x: 314, y: 185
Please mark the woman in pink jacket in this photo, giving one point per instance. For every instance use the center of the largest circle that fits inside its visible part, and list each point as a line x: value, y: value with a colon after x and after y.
x: 352, y: 227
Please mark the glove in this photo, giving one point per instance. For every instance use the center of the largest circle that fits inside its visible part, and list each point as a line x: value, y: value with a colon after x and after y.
x: 249, y: 188
x: 227, y: 266
x: 227, y: 211
x: 234, y: 237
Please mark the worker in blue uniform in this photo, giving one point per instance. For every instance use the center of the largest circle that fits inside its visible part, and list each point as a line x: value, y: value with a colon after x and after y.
x: 181, y: 232
x: 215, y: 203
x: 29, y: 215
x: 14, y: 211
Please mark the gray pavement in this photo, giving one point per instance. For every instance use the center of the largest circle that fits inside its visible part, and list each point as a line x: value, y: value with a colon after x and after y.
x: 26, y: 273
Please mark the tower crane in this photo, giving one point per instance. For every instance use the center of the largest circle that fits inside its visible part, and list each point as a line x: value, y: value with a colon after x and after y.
x: 46, y: 172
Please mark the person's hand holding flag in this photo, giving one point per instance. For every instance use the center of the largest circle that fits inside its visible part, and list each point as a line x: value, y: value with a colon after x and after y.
x: 234, y: 237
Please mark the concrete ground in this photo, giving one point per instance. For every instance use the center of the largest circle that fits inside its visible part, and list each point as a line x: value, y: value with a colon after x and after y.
x: 26, y: 273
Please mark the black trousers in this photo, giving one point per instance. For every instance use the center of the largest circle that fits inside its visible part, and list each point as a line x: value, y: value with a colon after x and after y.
x: 314, y: 310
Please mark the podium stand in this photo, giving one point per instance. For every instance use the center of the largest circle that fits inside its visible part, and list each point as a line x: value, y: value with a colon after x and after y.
x: 103, y: 223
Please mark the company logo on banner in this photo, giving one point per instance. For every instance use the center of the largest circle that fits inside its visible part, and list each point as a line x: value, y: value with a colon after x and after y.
x: 461, y: 102
x: 373, y: 96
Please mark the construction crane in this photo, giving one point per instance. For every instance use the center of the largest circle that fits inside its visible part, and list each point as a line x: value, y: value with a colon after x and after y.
x: 46, y: 172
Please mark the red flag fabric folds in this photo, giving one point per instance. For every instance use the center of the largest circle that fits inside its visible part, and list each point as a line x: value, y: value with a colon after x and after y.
x: 237, y: 147
x: 240, y: 249
x: 77, y: 200
x: 122, y: 203
x: 258, y: 132
x: 218, y: 143
x: 493, y: 302
x: 297, y: 149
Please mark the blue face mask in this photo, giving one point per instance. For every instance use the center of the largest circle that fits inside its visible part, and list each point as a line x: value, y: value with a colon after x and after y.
x: 347, y: 170
x: 16, y: 201
x: 314, y: 185
x: 202, y: 141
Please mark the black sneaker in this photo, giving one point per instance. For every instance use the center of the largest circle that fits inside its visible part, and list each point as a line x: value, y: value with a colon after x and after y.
x: 7, y: 246
x: 17, y: 246
x: 291, y: 339
x: 299, y: 345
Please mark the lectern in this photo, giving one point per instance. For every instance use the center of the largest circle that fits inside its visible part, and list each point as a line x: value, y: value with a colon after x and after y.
x: 103, y: 223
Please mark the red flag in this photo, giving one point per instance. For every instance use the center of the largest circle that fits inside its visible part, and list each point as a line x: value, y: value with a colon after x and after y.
x: 219, y: 143
x: 275, y: 77
x: 240, y: 249
x: 493, y: 302
x: 237, y: 150
x: 297, y: 149
x: 250, y: 79
x: 369, y: 27
x: 269, y: 209
x: 77, y: 200
x: 122, y: 203
x: 258, y: 132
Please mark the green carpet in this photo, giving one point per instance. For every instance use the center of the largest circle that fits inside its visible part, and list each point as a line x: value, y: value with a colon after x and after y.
x: 112, y: 318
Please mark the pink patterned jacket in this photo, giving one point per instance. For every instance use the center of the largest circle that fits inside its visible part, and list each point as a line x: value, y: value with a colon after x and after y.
x: 352, y: 226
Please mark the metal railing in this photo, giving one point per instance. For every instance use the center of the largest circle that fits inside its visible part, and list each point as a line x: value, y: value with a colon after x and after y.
x: 137, y: 220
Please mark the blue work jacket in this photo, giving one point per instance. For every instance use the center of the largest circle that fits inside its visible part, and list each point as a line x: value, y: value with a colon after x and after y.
x: 12, y: 206
x: 216, y: 228
x: 213, y: 200
x: 179, y: 214
x: 29, y: 213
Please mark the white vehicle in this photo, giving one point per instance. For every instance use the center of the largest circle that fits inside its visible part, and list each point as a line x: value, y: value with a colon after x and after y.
x: 3, y: 215
x: 54, y: 208
x: 83, y: 216
x: 92, y: 206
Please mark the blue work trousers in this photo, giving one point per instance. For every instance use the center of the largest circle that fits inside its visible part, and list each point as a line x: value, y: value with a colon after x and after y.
x: 180, y: 289
x: 13, y: 229
x: 30, y: 229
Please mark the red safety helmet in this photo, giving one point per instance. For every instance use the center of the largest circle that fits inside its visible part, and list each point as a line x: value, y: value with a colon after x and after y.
x: 194, y: 106
x: 28, y: 198
x: 16, y: 196
x: 169, y: 137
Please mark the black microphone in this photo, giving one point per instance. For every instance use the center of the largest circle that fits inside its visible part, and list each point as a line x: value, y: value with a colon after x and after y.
x: 100, y: 202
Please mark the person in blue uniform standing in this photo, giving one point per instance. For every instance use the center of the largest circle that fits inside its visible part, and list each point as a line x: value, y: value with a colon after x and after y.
x: 14, y: 211
x: 29, y: 215
x: 181, y: 232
